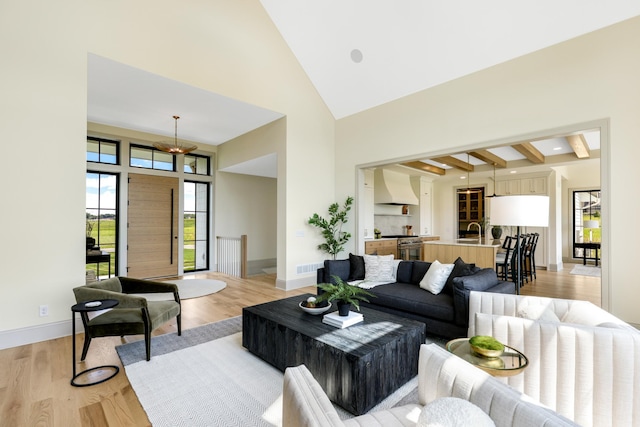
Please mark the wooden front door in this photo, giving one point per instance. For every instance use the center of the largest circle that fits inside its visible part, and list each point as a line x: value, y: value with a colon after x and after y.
x: 152, y: 226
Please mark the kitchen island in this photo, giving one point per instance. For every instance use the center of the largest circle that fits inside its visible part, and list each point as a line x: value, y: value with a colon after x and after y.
x: 480, y: 253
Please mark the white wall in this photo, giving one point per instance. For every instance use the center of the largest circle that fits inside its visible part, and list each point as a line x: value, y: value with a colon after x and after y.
x: 231, y: 48
x: 43, y: 121
x: 581, y: 81
x: 247, y: 205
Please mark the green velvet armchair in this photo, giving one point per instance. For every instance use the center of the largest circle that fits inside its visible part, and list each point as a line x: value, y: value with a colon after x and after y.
x: 133, y: 315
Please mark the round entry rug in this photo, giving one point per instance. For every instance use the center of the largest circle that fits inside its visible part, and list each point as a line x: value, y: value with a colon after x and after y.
x: 190, y: 288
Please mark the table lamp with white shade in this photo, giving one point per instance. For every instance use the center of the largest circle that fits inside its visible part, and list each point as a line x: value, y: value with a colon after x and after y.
x: 590, y: 225
x: 520, y: 211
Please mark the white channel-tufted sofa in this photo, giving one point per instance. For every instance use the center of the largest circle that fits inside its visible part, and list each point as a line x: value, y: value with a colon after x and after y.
x: 584, y: 362
x: 440, y: 374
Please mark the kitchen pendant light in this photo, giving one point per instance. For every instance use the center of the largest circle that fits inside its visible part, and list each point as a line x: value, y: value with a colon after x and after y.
x: 175, y: 148
x: 494, y: 183
x: 469, y: 190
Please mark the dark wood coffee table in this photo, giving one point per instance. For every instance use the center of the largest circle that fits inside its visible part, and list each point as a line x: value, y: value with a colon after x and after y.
x: 357, y: 367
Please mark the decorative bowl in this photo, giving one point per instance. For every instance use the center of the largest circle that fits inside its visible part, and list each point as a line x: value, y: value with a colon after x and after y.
x: 486, y: 346
x: 314, y: 310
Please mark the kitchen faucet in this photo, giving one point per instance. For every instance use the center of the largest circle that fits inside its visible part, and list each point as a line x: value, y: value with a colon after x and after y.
x: 479, y: 230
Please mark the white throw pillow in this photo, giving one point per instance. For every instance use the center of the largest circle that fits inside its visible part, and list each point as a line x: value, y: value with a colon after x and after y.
x: 396, y: 263
x: 584, y: 313
x: 378, y: 268
x: 453, y: 412
x: 537, y: 312
x: 436, y: 277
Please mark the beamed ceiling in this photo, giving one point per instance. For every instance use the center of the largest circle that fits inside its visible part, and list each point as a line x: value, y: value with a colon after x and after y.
x: 521, y: 155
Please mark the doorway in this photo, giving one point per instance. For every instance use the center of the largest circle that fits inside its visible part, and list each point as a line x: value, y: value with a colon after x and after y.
x: 152, y: 245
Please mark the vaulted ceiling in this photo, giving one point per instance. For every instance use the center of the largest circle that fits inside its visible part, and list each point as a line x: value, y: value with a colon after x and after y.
x: 359, y: 54
x: 363, y: 53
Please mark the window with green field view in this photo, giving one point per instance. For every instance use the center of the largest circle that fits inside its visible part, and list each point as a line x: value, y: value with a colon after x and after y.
x: 586, y: 221
x: 102, y: 222
x: 196, y: 226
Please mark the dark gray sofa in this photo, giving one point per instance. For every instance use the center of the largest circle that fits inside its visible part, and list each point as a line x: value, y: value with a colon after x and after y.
x: 445, y: 314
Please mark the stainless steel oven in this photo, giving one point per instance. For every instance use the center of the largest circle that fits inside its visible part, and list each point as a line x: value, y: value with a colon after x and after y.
x: 410, y: 248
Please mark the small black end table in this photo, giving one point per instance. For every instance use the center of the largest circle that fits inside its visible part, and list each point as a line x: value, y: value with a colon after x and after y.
x: 99, y: 370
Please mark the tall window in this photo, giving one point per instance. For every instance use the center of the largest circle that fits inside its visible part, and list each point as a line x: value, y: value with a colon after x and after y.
x: 196, y: 226
x: 586, y: 221
x: 102, y: 221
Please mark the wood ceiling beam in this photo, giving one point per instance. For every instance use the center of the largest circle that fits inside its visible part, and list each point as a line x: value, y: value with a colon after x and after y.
x: 530, y: 152
x: 454, y: 163
x: 489, y: 158
x: 579, y: 146
x: 425, y: 167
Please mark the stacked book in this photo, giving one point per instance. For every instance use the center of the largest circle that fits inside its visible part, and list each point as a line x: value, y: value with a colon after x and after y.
x: 334, y: 319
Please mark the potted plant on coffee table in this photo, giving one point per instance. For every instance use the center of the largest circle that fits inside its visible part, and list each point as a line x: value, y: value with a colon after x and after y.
x: 344, y: 294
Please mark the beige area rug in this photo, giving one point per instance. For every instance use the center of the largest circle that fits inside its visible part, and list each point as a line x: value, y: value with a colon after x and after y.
x: 217, y: 383
x: 189, y: 288
x: 586, y: 270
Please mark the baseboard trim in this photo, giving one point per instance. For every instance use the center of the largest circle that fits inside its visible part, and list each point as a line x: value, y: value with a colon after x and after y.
x: 288, y: 285
x: 556, y: 267
x: 32, y: 334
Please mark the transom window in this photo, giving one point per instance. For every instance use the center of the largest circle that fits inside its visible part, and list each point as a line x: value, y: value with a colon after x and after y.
x: 150, y: 158
x: 101, y: 150
x: 195, y: 164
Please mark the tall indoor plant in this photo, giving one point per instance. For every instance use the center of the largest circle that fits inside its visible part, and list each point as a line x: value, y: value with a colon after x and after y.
x: 334, y: 237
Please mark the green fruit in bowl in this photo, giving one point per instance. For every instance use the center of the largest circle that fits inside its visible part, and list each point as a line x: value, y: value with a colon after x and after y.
x: 486, y: 346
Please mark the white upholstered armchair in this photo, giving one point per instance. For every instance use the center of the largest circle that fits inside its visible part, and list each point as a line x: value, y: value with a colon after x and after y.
x: 440, y: 375
x: 583, y: 362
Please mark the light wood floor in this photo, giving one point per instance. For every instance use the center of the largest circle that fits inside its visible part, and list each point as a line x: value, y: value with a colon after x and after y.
x: 34, y: 379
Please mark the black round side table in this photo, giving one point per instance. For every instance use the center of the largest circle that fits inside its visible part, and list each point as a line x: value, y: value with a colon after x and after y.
x: 102, y: 372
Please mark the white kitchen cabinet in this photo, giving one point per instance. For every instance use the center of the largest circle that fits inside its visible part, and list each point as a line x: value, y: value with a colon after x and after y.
x: 533, y: 185
x: 508, y: 187
x: 369, y: 222
x: 424, y: 189
x: 368, y: 205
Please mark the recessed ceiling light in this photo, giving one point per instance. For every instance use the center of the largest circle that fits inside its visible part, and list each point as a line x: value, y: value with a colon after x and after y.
x: 356, y: 56
x: 557, y: 148
x: 463, y: 177
x: 513, y: 172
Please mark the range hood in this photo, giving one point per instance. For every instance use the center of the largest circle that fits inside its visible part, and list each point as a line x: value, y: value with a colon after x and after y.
x: 393, y: 188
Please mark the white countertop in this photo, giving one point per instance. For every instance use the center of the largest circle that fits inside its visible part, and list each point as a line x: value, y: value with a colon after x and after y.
x: 462, y: 242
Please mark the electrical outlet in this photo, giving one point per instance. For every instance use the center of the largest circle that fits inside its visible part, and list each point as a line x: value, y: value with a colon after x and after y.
x: 44, y: 310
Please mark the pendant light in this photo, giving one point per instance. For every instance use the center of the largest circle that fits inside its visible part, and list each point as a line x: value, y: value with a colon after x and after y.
x: 175, y: 148
x: 468, y: 190
x: 494, y: 183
